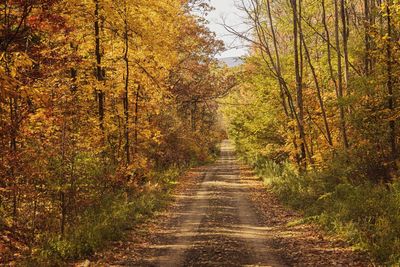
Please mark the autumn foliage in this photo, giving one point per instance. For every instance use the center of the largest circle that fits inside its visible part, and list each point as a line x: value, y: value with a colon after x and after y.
x: 317, y: 112
x: 97, y: 98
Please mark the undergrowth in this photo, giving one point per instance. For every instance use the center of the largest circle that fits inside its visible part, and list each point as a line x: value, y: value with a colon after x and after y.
x: 107, y: 221
x: 365, y: 213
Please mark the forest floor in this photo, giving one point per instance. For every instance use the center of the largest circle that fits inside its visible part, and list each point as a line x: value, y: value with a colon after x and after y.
x: 222, y: 215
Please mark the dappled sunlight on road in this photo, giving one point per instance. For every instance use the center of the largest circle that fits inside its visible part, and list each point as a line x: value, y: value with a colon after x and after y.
x: 219, y: 227
x: 228, y: 219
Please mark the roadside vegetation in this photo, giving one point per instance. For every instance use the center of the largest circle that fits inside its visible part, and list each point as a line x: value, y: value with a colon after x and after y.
x: 106, y: 221
x: 316, y: 114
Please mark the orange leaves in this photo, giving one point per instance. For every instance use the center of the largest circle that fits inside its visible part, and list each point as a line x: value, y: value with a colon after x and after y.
x: 64, y: 146
x: 47, y: 22
x: 7, y: 85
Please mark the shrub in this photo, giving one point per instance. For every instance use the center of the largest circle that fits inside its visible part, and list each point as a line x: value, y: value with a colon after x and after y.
x: 105, y: 222
x: 366, y: 213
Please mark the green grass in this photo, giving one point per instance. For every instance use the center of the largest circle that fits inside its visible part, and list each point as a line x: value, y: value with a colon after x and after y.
x: 366, y: 214
x: 107, y: 221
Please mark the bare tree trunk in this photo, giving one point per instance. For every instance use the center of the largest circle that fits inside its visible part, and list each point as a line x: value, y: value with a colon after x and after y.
x: 367, y: 40
x: 389, y: 83
x: 345, y: 36
x: 317, y: 86
x: 301, y: 54
x: 63, y: 213
x: 299, y: 86
x: 282, y: 85
x: 99, y: 70
x: 340, y: 80
x: 193, y: 113
x: 328, y: 42
x: 13, y: 116
x: 13, y: 150
x: 62, y: 176
x: 274, y: 66
x: 136, y: 119
x: 126, y: 92
x: 381, y: 22
x: 277, y: 57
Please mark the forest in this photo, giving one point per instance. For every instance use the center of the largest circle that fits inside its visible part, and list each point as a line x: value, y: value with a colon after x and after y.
x: 106, y: 104
x: 317, y: 110
x: 102, y: 105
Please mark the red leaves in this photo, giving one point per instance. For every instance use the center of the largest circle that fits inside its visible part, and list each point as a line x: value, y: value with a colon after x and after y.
x: 47, y: 22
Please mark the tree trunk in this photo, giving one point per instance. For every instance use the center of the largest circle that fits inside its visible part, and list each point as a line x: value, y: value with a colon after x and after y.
x: 328, y: 43
x: 340, y: 80
x: 367, y: 40
x: 126, y: 91
x: 193, y: 114
x: 136, y: 119
x: 345, y: 36
x: 277, y: 57
x: 63, y: 207
x: 317, y: 86
x: 99, y: 70
x: 389, y: 83
x: 299, y: 87
x: 13, y: 151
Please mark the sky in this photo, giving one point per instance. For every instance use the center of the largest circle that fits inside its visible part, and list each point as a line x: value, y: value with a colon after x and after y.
x: 233, y: 17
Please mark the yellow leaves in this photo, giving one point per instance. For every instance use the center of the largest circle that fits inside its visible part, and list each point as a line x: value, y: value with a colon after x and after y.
x: 292, y: 124
x: 157, y: 137
x: 7, y: 85
x: 9, y: 75
x: 14, y: 62
x: 21, y: 60
x: 393, y: 116
x: 386, y: 38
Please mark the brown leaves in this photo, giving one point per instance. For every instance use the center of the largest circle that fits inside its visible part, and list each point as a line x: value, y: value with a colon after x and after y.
x: 302, y: 244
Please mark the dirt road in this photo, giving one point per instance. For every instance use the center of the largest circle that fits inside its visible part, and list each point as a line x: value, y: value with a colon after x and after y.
x: 227, y: 218
x: 220, y: 227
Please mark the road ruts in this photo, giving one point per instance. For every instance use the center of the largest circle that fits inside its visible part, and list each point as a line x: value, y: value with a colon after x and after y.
x: 218, y: 226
